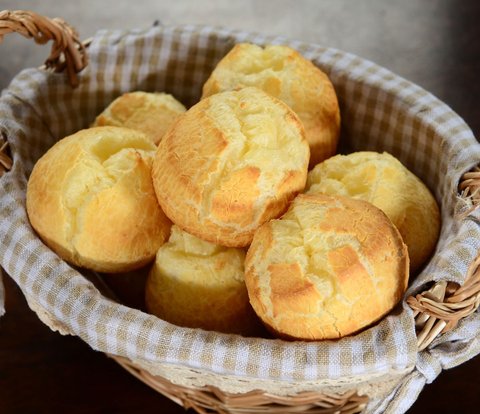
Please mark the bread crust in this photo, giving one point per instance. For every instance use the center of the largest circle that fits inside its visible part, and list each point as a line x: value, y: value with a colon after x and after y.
x: 384, y: 181
x: 198, y: 284
x: 91, y: 200
x: 284, y: 73
x: 232, y: 162
x: 149, y: 112
x: 330, y: 267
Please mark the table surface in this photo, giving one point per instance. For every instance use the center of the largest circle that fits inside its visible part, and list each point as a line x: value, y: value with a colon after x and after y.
x: 434, y: 44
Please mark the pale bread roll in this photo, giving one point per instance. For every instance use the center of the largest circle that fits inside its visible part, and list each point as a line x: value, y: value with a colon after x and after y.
x: 149, y: 112
x: 385, y: 182
x: 232, y: 162
x: 198, y: 284
x: 91, y: 200
x: 284, y: 73
x: 329, y: 267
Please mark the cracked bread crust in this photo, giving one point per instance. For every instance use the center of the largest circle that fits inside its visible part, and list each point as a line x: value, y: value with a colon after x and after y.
x: 147, y: 112
x: 384, y: 181
x: 328, y: 268
x: 231, y: 163
x: 285, y: 74
x: 91, y: 200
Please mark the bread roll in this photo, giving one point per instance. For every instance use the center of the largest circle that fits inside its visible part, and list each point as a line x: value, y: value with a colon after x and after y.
x: 286, y: 74
x: 383, y: 181
x: 329, y: 267
x: 198, y: 284
x: 150, y: 113
x: 91, y: 200
x: 232, y: 162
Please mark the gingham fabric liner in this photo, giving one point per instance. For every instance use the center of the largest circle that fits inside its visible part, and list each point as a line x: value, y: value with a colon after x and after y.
x: 380, y: 111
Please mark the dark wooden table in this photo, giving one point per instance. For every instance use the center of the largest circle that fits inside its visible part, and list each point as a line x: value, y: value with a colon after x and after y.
x: 43, y: 372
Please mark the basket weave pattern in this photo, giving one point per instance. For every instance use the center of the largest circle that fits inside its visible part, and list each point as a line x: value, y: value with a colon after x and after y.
x: 68, y: 52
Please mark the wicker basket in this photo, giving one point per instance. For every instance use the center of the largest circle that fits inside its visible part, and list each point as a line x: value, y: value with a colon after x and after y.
x: 381, y: 369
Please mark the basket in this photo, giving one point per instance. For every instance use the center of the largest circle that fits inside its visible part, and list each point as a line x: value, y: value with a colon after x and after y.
x: 382, y: 369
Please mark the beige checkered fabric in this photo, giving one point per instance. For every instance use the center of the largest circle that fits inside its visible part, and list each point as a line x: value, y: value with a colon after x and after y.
x: 380, y: 111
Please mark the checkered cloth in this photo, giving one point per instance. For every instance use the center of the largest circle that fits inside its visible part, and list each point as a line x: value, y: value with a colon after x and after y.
x: 380, y: 111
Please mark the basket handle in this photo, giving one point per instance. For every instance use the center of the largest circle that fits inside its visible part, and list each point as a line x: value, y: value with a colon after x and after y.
x: 440, y: 308
x: 5, y: 160
x: 67, y: 53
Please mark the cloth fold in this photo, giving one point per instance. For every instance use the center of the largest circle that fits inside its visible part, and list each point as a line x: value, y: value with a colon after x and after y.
x: 2, y: 294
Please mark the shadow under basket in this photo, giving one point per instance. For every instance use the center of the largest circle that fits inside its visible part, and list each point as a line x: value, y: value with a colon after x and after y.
x: 382, y: 369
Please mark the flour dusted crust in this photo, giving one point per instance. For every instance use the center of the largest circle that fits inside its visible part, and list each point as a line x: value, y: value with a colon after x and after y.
x: 284, y: 73
x: 231, y: 163
x: 329, y: 267
x: 384, y: 181
x: 198, y: 284
x: 91, y: 199
x: 149, y: 112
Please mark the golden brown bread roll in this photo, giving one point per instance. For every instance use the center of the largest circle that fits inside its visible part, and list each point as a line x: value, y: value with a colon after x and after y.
x: 383, y: 181
x: 148, y: 112
x: 198, y: 284
x: 286, y: 74
x: 230, y: 163
x: 328, y: 268
x: 91, y: 200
